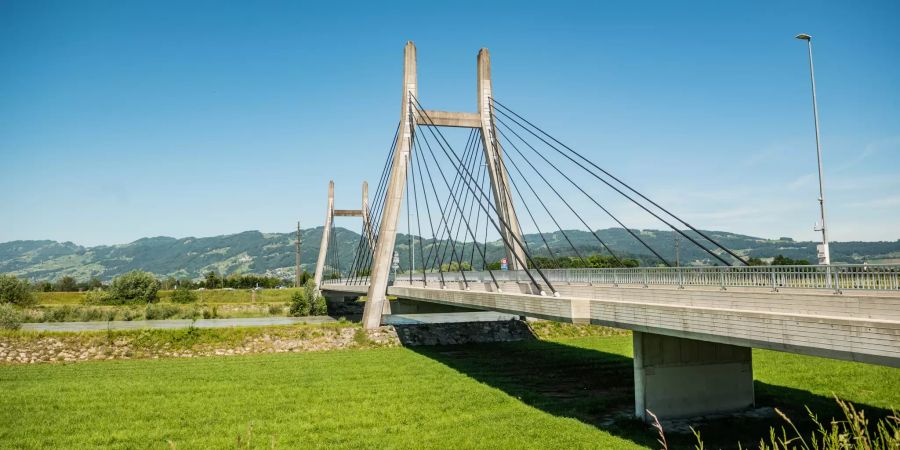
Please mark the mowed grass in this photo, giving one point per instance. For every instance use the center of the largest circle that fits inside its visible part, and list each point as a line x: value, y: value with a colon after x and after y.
x: 59, y: 298
x: 387, y: 398
x: 569, y: 393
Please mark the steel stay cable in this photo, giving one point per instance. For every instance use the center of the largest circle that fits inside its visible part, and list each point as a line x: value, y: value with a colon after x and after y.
x: 443, y: 219
x: 444, y: 243
x: 366, y: 235
x: 739, y: 258
x: 538, y: 197
x: 418, y: 220
x: 470, y: 176
x: 380, y: 201
x: 416, y: 150
x: 456, y: 219
x: 471, y: 206
x: 566, y: 202
x: 481, y: 175
x: 480, y: 165
x: 536, y: 226
x: 455, y: 203
x: 592, y: 199
x: 438, y: 245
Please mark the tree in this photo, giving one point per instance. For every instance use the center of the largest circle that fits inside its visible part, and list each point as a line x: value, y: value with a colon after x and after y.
x: 134, y: 286
x: 755, y: 262
x: 11, y: 318
x: 15, y: 291
x: 212, y: 280
x: 66, y: 284
x: 94, y: 284
x: 299, y: 304
x: 782, y: 260
x: 454, y: 266
x: 184, y: 295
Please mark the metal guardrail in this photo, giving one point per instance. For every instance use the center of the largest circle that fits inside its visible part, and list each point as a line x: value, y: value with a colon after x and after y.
x: 838, y: 277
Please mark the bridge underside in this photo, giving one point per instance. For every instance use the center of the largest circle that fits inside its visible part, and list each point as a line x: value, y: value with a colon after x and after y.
x: 692, y: 346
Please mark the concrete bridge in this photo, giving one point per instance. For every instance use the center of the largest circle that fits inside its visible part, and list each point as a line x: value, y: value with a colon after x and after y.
x: 694, y: 327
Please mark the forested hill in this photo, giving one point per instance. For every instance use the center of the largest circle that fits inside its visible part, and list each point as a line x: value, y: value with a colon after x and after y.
x: 273, y: 253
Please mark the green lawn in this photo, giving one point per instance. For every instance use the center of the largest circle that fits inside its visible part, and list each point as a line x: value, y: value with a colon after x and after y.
x: 538, y: 394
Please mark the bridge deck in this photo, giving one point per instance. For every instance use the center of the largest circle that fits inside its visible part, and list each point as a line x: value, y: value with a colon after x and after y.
x: 854, y: 325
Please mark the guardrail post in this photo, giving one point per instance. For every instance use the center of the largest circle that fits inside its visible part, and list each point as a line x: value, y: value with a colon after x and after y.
x: 645, y: 277
x: 680, y: 278
x: 772, y: 272
x: 616, y: 277
x: 722, y: 278
x: 837, y: 286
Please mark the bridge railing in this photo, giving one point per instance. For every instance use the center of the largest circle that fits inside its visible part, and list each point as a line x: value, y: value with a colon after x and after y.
x: 837, y: 277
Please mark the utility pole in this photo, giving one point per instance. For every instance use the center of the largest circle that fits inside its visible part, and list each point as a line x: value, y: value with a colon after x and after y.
x: 297, y: 258
x: 677, y: 253
x: 823, y: 252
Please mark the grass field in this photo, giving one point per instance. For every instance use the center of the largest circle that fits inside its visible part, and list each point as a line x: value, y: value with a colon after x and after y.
x: 537, y: 394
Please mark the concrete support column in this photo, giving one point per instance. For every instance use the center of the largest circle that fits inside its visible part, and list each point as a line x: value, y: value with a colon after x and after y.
x: 323, y: 245
x: 677, y: 377
x: 377, y: 303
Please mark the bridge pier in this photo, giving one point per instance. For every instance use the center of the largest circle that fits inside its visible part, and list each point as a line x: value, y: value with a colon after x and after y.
x: 678, y: 377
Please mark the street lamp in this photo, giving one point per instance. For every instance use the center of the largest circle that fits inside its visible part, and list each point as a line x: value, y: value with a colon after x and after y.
x: 823, y: 252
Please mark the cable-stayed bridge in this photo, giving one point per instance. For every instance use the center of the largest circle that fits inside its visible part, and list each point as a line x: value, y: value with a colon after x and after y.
x: 445, y: 227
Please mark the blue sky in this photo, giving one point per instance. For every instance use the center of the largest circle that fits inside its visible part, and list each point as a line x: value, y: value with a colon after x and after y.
x: 120, y: 120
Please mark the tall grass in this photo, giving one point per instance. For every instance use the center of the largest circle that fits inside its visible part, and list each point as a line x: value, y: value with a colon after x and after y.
x: 853, y: 432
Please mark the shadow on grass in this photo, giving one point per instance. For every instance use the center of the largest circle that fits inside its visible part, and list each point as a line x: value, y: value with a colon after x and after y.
x: 597, y: 388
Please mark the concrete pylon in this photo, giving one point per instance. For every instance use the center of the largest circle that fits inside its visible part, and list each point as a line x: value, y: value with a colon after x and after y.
x: 366, y: 226
x: 377, y: 303
x: 323, y: 245
x: 409, y: 117
x: 493, y: 153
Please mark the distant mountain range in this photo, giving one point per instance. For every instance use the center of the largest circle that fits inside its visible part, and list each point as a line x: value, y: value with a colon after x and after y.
x: 273, y: 253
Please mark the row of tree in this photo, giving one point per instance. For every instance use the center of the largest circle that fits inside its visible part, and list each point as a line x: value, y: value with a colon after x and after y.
x: 779, y: 260
x: 68, y: 284
x: 212, y: 280
x: 135, y: 287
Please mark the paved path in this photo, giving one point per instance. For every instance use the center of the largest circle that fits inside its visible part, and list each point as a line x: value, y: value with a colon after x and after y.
x: 174, y: 323
x: 397, y: 319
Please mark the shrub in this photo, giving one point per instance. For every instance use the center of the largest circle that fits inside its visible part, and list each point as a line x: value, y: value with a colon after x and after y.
x: 159, y: 312
x: 10, y: 317
x: 317, y: 304
x: 134, y: 286
x: 183, y: 295
x: 91, y: 314
x: 15, y: 291
x: 61, y: 314
x: 97, y: 297
x: 211, y: 313
x: 299, y: 304
x: 275, y: 310
x: 130, y: 315
x: 319, y: 307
